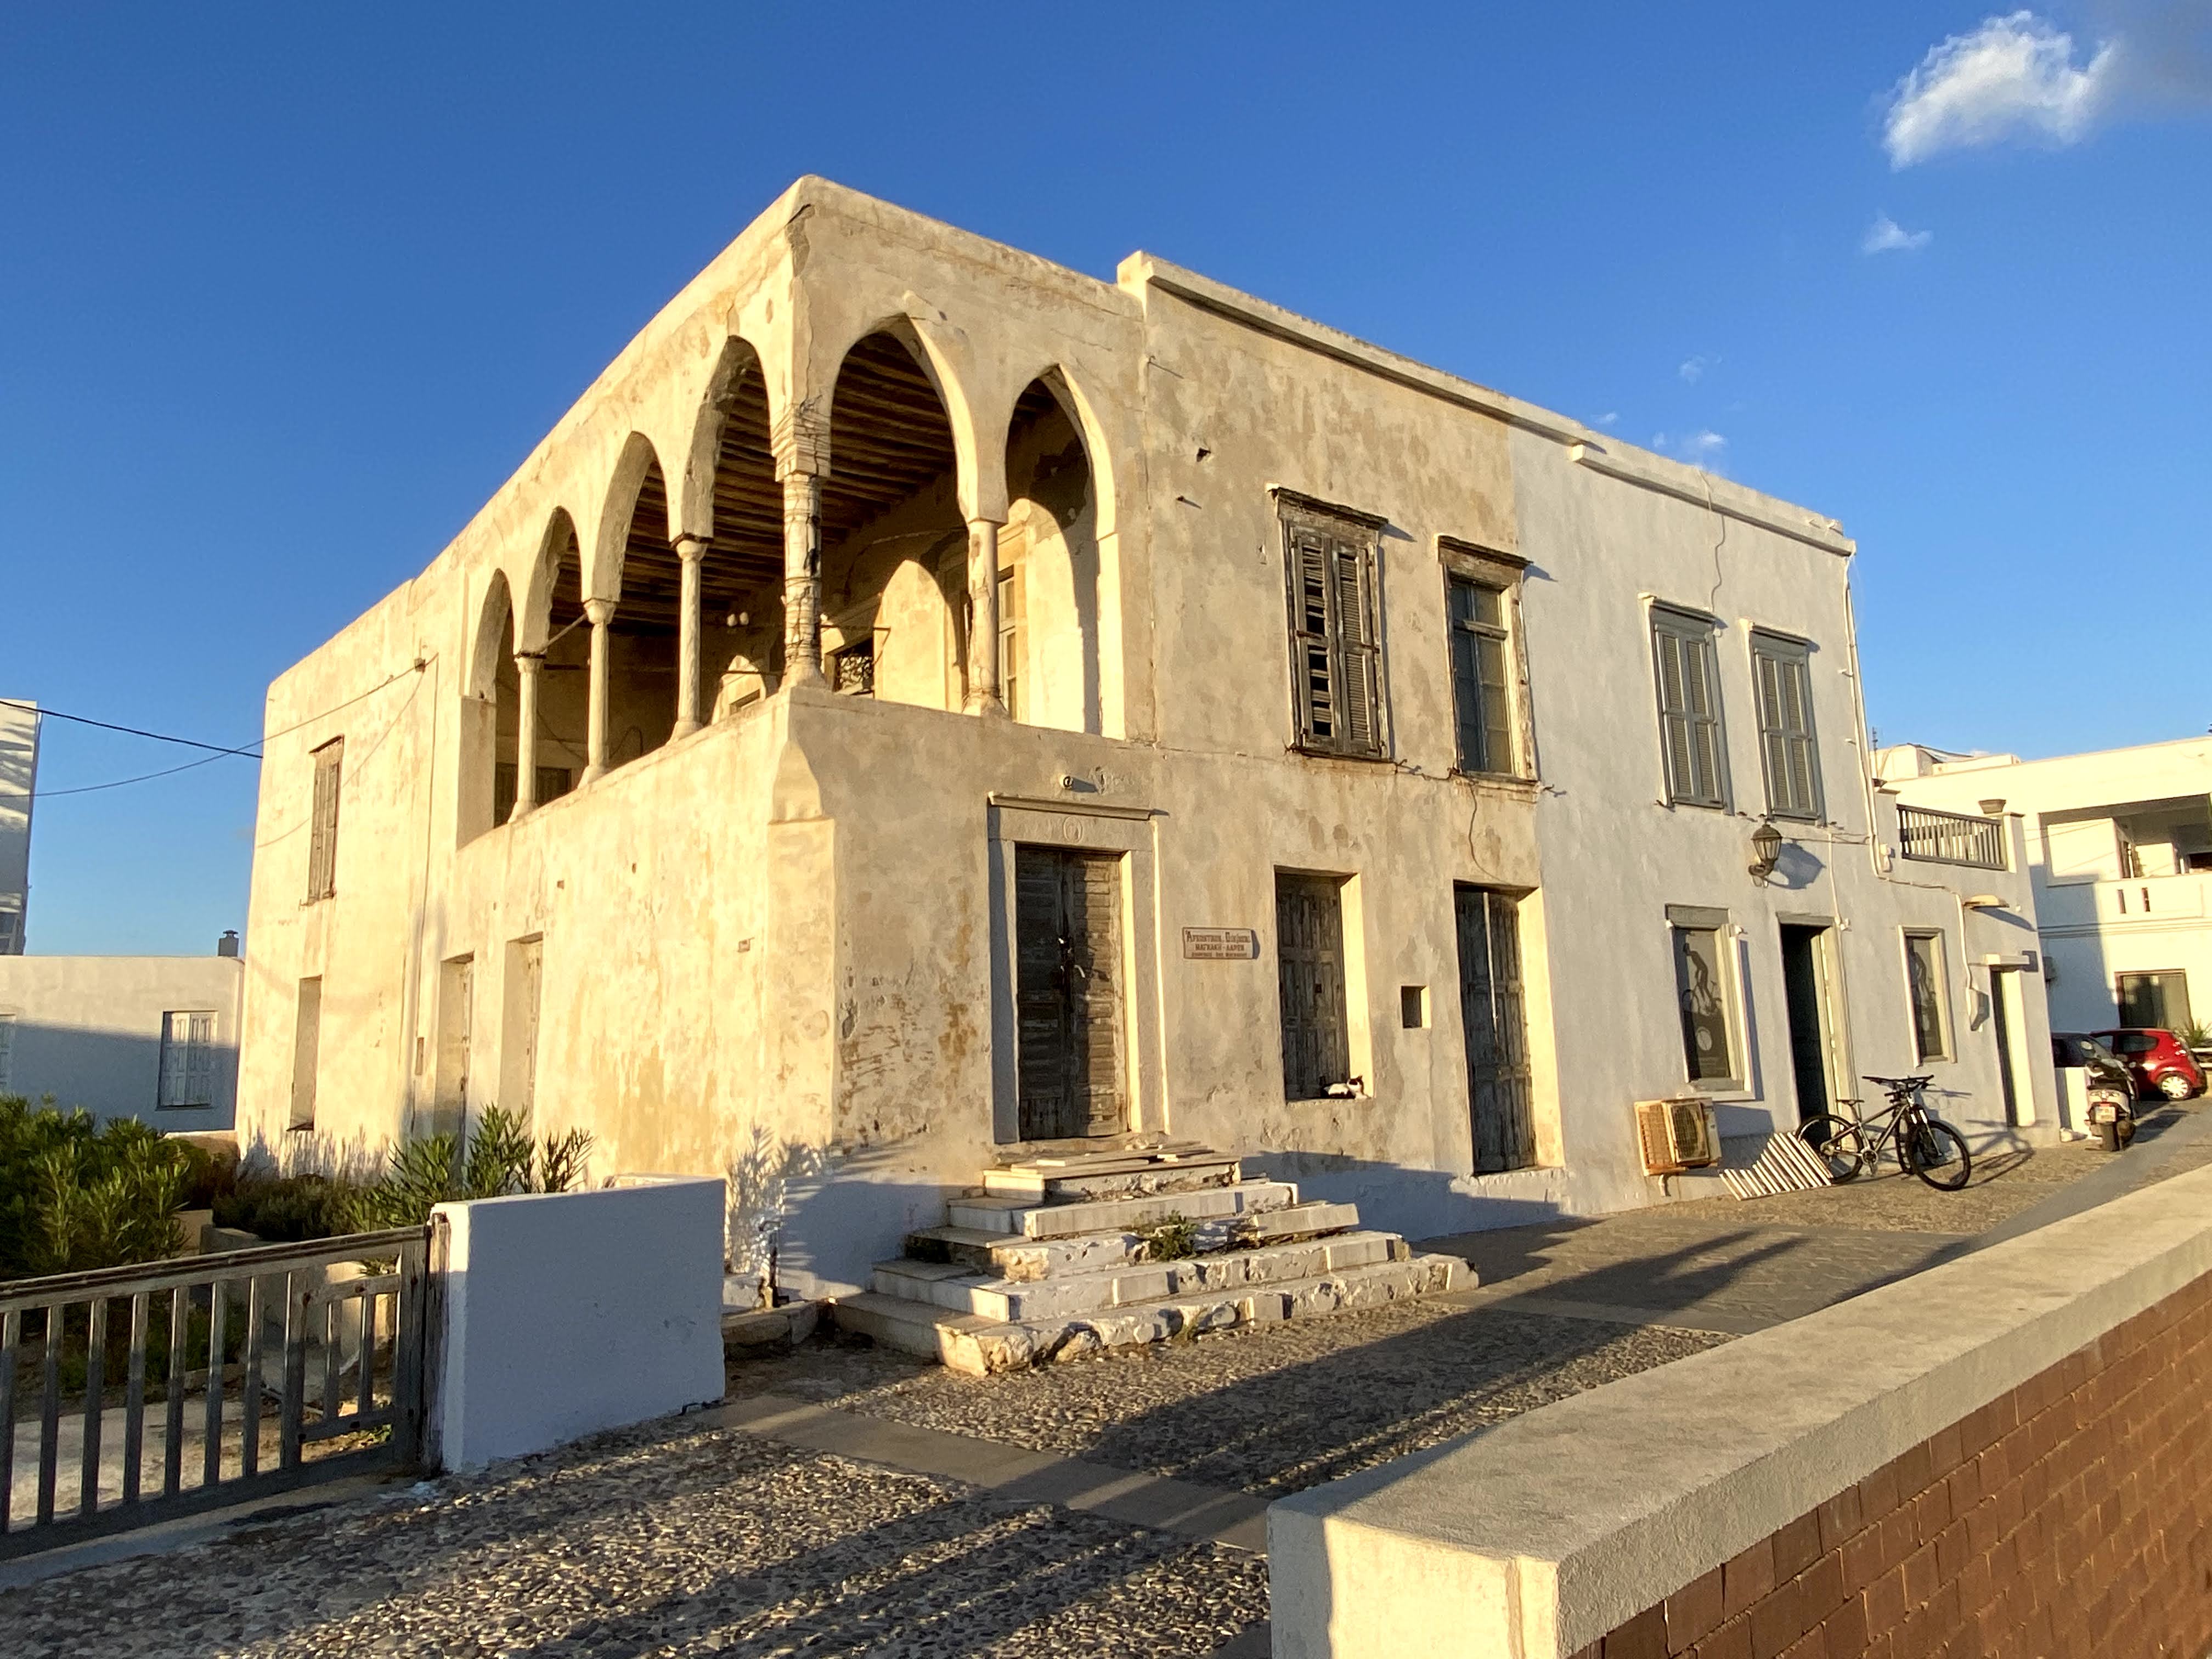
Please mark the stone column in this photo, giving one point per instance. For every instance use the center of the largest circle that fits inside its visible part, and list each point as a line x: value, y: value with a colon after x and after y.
x: 983, y: 692
x: 802, y: 579
x: 601, y: 612
x: 691, y: 550
x: 528, y: 666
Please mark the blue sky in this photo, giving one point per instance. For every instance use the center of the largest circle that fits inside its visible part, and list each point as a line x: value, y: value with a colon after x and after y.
x: 286, y: 291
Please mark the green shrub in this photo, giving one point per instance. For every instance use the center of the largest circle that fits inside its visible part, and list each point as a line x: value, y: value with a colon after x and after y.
x: 75, y: 1194
x: 288, y: 1209
x: 500, y: 1159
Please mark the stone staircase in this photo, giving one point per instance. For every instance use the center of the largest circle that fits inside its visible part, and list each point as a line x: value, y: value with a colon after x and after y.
x: 1059, y: 1257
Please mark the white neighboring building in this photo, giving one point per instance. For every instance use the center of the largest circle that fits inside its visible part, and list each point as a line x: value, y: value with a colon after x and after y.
x: 151, y: 1038
x: 19, y: 771
x: 2119, y: 844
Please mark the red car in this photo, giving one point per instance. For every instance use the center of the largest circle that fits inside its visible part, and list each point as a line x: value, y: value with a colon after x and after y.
x: 2157, y: 1061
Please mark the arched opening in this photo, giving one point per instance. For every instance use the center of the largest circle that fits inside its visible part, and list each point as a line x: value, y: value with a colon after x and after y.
x: 642, y: 640
x: 488, y: 708
x: 741, y: 579
x: 564, y: 682
x: 1048, y: 567
x: 894, y: 545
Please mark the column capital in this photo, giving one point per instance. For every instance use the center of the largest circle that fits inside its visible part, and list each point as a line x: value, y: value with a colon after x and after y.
x: 690, y: 547
x: 599, y: 612
x: 800, y: 441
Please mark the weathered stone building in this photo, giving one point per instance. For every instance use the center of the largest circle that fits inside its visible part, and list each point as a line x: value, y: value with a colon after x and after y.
x: 927, y: 702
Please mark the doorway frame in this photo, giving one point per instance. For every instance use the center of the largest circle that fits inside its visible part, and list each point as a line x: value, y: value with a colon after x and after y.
x: 1834, y: 1009
x: 1079, y: 826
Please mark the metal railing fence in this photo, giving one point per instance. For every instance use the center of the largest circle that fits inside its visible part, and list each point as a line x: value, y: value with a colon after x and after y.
x: 132, y: 1394
x: 1951, y: 837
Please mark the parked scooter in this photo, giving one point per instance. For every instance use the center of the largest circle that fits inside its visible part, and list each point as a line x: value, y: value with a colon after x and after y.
x: 2114, y: 1116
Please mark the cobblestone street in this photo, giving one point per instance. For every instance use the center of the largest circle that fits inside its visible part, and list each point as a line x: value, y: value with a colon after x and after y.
x: 1109, y: 1506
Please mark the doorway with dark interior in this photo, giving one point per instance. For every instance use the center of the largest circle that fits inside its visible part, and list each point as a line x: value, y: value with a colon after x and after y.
x: 1808, y: 982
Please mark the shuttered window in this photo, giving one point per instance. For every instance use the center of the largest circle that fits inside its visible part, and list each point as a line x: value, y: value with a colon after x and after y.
x: 323, y: 834
x: 1335, y: 649
x: 1786, y: 748
x: 187, y: 1060
x: 1481, y: 695
x: 1689, y: 709
x: 1309, y: 966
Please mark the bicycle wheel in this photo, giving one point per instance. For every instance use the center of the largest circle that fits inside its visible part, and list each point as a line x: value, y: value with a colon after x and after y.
x: 1837, y: 1143
x: 1937, y: 1153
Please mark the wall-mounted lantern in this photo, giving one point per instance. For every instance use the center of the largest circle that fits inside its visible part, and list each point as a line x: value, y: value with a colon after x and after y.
x: 1765, y: 849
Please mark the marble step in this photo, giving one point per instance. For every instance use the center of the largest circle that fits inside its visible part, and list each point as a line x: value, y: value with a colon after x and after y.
x: 1089, y: 1179
x: 1130, y: 1284
x: 1017, y: 1257
x: 968, y: 1342
x: 989, y: 1213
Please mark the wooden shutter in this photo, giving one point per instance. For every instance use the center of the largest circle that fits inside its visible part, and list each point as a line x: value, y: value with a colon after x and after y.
x: 1785, y: 729
x: 1689, y: 711
x: 1492, y: 1012
x: 1674, y: 716
x: 171, y: 1090
x: 1312, y: 655
x: 1336, y: 666
x: 323, y: 835
x: 1360, y: 678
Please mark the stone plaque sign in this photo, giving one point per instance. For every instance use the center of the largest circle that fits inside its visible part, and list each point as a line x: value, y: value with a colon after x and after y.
x: 1220, y: 943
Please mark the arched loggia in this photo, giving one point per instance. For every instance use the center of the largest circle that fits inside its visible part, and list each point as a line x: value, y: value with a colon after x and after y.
x: 894, y: 545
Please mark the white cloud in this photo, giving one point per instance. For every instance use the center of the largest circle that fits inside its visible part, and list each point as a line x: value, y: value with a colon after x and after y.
x: 1885, y: 235
x: 2013, y: 77
x: 1702, y: 448
x: 1611, y: 417
x: 1694, y: 370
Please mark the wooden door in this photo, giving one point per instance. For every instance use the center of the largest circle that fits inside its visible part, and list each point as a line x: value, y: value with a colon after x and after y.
x: 1491, y: 1010
x: 1068, y: 995
x: 1309, y: 968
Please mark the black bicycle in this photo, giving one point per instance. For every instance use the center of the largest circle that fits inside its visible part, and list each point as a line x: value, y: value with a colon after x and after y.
x: 1922, y: 1142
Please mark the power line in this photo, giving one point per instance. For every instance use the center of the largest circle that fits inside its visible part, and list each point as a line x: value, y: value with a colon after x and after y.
x: 216, y: 751
x: 133, y: 730
x: 113, y: 783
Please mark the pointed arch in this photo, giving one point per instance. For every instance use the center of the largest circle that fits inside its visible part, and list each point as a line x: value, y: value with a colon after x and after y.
x: 1048, y: 563
x: 558, y: 548
x: 489, y: 694
x: 733, y: 497
x: 891, y: 499
x: 938, y: 353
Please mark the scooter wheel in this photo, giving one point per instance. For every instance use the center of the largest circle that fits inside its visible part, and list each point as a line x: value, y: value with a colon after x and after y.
x: 2110, y: 1134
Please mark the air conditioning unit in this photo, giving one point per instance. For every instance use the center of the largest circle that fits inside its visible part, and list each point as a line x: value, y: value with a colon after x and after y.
x: 1677, y: 1135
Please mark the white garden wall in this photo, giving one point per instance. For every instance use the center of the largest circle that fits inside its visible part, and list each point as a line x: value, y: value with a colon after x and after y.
x: 567, y: 1313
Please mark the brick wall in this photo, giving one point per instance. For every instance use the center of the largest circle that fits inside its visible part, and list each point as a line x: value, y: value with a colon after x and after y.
x: 2072, y: 1516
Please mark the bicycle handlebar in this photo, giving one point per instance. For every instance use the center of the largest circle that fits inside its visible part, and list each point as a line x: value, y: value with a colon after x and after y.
x: 1901, y: 1083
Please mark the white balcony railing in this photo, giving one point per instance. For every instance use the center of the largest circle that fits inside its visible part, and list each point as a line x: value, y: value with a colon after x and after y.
x: 1951, y: 837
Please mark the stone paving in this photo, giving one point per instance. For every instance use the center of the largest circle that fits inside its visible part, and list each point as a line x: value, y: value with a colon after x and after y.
x: 692, y: 1536
x: 667, y: 1539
